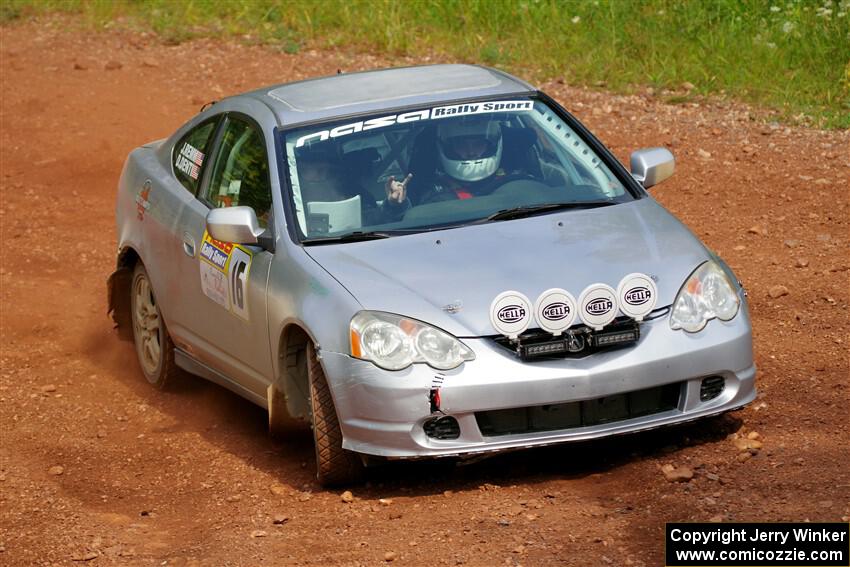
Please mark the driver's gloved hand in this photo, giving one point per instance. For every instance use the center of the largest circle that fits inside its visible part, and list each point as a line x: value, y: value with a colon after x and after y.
x: 397, y: 190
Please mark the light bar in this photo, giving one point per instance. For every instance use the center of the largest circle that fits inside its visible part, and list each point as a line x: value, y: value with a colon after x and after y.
x: 554, y: 347
x: 608, y: 339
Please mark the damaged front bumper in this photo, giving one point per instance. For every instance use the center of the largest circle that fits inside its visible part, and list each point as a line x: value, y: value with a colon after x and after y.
x: 499, y: 402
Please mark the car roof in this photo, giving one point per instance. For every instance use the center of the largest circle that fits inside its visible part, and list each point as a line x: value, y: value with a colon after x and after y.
x: 346, y: 94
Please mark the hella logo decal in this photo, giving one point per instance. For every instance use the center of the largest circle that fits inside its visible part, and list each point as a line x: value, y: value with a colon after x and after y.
x: 638, y: 295
x: 511, y: 313
x: 556, y: 311
x: 599, y: 306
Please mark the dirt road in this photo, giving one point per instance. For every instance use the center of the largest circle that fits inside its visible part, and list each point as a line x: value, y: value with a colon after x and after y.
x: 98, y: 468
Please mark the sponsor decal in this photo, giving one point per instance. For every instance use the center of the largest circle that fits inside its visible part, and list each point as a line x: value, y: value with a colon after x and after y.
x: 637, y: 295
x: 599, y: 306
x: 142, y: 202
x: 415, y: 116
x: 216, y: 252
x: 481, y: 108
x: 434, y: 393
x: 225, y: 269
x: 556, y: 311
x: 214, y: 284
x: 189, y: 160
x: 214, y: 255
x: 511, y: 313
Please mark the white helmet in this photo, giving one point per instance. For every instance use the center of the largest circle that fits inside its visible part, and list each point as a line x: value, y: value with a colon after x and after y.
x: 470, y: 148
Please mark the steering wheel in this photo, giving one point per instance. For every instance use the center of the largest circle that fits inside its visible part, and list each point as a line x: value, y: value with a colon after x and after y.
x: 512, y: 182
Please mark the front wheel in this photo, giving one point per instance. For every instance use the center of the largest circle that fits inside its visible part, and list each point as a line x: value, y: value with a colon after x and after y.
x: 334, y: 465
x: 153, y: 345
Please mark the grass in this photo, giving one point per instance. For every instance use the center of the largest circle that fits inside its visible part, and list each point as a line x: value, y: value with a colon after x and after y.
x: 789, y: 55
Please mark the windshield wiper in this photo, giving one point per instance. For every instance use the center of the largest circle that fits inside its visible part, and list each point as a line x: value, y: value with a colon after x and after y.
x: 530, y: 210
x: 350, y: 237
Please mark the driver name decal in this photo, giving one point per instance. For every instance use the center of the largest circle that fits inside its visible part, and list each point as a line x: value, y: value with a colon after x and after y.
x: 414, y: 116
x: 189, y: 160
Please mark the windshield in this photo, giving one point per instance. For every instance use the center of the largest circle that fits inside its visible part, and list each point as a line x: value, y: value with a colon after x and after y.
x: 440, y: 167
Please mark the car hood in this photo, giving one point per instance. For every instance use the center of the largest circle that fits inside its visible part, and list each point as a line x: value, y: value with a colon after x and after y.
x: 420, y: 275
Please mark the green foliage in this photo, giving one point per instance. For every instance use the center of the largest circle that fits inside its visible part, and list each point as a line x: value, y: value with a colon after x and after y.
x: 9, y: 13
x: 791, y: 55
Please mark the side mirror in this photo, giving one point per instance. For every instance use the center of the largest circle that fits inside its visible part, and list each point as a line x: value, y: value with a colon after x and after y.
x: 651, y: 166
x: 234, y: 224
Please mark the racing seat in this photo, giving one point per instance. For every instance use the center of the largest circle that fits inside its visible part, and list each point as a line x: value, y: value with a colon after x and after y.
x: 359, y: 170
x: 518, y: 152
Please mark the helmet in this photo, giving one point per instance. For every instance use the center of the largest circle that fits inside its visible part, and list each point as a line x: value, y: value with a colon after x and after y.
x: 470, y: 148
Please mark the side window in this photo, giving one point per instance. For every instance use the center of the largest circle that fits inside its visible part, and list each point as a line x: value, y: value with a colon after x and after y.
x: 189, y: 153
x: 240, y: 175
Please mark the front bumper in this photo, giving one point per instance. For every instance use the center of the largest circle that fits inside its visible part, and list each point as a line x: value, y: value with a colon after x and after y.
x: 382, y: 413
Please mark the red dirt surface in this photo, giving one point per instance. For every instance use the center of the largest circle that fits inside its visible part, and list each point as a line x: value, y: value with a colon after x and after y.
x: 96, y: 467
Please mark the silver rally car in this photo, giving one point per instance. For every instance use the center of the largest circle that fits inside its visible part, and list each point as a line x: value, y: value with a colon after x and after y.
x: 421, y: 262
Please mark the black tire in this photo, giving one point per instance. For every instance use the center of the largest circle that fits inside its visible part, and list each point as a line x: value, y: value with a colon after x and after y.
x: 150, y: 335
x: 334, y: 465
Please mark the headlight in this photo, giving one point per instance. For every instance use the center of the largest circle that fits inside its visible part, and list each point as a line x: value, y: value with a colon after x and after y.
x: 707, y: 294
x: 394, y: 342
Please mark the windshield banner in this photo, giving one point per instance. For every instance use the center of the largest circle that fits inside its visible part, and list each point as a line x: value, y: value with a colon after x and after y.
x: 417, y: 115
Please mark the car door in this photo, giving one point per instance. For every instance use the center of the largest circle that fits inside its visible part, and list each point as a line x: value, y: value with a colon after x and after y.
x: 222, y: 314
x: 167, y: 193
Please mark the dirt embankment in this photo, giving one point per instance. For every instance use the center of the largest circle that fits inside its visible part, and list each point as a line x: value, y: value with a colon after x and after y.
x: 97, y: 467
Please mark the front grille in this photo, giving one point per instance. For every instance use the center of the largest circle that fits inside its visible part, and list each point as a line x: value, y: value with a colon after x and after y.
x: 552, y: 417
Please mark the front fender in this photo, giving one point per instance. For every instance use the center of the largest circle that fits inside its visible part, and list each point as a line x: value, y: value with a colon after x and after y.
x: 305, y: 304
